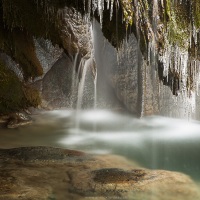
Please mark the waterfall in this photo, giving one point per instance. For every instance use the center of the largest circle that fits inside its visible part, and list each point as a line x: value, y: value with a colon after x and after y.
x: 180, y: 69
x: 74, y: 79
x: 178, y: 81
x: 87, y: 82
x: 83, y: 68
x: 95, y: 90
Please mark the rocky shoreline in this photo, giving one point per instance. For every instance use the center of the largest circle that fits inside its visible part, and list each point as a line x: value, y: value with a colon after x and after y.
x: 15, y: 120
x: 47, y: 173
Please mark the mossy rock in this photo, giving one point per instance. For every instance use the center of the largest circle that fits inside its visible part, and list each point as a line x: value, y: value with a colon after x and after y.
x: 14, y: 95
x: 19, y: 45
x: 32, y: 96
x: 11, y: 94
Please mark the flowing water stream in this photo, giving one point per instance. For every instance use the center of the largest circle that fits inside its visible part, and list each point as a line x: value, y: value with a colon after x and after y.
x: 154, y: 142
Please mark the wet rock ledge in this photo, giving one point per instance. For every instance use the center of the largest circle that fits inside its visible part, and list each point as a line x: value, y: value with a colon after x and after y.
x: 15, y: 120
x: 47, y: 173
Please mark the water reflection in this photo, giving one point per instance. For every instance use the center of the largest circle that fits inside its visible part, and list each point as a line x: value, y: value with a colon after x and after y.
x: 155, y: 142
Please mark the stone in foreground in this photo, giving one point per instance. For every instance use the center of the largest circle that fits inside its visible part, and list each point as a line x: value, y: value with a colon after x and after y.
x: 47, y: 173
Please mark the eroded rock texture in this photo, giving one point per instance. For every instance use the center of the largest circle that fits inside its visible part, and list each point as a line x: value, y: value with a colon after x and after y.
x: 50, y: 173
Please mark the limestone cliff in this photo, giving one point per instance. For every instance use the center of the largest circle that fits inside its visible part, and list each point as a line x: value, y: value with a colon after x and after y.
x: 167, y: 32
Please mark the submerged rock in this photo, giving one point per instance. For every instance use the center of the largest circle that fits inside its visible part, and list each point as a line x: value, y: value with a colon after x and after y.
x: 54, y: 173
x: 14, y: 120
x: 115, y: 175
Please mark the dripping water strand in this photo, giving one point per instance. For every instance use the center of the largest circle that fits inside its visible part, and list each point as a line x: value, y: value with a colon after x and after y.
x: 74, y: 78
x: 95, y: 90
x: 95, y: 99
x: 82, y: 72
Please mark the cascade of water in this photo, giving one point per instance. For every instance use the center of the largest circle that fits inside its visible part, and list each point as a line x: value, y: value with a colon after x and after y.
x: 94, y: 71
x: 82, y: 72
x: 175, y: 60
x: 198, y: 77
x: 95, y: 90
x: 141, y: 67
x: 74, y: 78
x: 95, y: 99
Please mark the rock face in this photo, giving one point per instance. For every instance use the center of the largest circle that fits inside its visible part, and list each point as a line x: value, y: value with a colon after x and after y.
x: 36, y: 49
x: 45, y: 173
x: 136, y: 83
x: 59, y: 88
x: 118, y: 70
x: 56, y: 84
x: 157, y: 51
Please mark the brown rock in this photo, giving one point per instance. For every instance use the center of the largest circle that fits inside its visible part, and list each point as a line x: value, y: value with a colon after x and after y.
x: 18, y: 119
x: 41, y: 173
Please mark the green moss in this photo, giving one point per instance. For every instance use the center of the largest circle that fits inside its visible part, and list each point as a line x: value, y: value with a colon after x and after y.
x: 168, y: 8
x: 11, y: 93
x: 32, y: 96
x: 178, y: 23
x: 14, y: 95
x: 127, y: 8
x: 21, y: 20
x: 195, y: 9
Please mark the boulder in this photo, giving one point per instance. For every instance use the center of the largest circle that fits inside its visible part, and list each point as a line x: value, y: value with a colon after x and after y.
x: 52, y: 173
x: 14, y: 120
